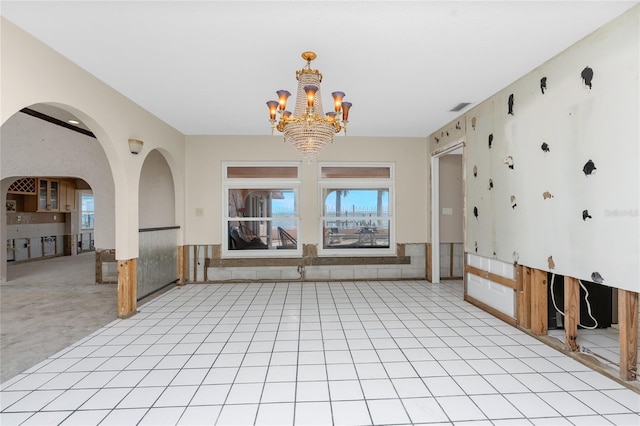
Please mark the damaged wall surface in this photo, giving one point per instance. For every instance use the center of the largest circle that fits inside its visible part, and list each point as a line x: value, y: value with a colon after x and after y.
x: 552, y: 163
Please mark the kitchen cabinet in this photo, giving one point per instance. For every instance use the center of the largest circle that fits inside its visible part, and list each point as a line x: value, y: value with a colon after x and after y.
x: 52, y: 195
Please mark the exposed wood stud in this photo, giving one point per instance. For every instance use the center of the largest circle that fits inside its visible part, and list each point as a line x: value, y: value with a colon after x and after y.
x: 127, y: 287
x: 508, y: 282
x: 523, y: 288
x: 195, y: 263
x: 571, y: 313
x: 628, y: 321
x: 429, y: 264
x: 539, y: 302
x: 206, y: 263
x: 451, y: 259
x: 181, y: 265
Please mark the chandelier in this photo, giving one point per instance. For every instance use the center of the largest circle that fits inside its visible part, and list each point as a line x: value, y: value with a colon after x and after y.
x: 308, y: 129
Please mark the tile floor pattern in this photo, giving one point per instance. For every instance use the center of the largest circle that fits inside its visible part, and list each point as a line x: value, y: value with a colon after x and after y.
x: 354, y: 353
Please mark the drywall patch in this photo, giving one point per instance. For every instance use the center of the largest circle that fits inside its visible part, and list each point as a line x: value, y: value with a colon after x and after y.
x: 586, y: 215
x: 543, y: 84
x: 587, y: 77
x: 589, y: 168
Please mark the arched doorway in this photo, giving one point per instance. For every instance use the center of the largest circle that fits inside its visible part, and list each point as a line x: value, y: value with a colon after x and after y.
x: 158, y: 233
x: 51, y: 289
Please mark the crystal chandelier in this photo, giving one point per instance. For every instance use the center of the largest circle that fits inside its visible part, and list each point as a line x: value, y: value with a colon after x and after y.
x: 308, y: 129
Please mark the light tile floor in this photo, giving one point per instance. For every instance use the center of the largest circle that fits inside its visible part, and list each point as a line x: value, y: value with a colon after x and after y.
x: 354, y: 353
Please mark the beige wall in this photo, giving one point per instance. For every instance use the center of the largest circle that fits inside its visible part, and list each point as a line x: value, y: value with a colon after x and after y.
x: 205, y: 155
x: 33, y: 73
x: 157, y: 194
x: 451, y: 197
x: 578, y: 123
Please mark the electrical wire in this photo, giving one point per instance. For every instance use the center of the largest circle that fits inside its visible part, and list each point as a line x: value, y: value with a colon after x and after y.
x: 586, y: 299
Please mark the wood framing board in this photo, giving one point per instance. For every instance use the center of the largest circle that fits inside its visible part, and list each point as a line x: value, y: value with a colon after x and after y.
x: 507, y: 282
x: 429, y: 264
x: 571, y: 313
x: 628, y: 320
x: 523, y: 296
x: 127, y: 287
x: 539, y: 302
x: 181, y: 265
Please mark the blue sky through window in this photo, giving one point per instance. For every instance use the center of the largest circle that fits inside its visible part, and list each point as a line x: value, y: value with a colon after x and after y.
x: 358, y: 201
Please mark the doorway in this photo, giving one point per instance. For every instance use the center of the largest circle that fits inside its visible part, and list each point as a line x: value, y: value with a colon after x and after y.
x: 447, y: 209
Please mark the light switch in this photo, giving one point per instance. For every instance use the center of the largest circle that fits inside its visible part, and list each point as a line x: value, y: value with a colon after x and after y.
x: 447, y: 211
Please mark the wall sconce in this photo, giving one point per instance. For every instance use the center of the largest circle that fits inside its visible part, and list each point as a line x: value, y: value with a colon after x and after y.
x: 135, y: 146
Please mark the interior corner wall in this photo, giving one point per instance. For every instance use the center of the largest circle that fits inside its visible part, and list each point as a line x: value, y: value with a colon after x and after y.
x: 561, y: 147
x: 206, y: 154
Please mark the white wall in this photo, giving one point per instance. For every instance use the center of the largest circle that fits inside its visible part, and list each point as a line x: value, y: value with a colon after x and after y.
x: 205, y: 155
x: 579, y: 124
x: 33, y: 73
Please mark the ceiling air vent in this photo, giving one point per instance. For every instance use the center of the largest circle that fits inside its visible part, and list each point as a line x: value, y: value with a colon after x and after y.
x: 460, y: 106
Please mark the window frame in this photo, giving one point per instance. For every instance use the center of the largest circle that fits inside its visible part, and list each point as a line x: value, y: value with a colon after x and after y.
x: 356, y: 183
x: 285, y: 184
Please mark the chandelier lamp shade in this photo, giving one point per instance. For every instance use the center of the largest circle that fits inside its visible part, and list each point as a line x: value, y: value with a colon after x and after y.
x: 308, y: 129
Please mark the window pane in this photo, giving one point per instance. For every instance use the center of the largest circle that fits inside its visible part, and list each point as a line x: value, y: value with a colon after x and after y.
x: 356, y: 203
x: 259, y: 203
x: 383, y: 172
x: 262, y: 235
x: 344, y: 234
x: 262, y: 219
x: 87, y: 211
x: 269, y: 172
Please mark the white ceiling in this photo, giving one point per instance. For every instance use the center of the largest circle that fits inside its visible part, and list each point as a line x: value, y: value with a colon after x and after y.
x: 208, y: 67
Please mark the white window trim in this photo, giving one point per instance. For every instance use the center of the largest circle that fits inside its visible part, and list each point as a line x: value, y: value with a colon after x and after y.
x: 355, y: 183
x: 259, y: 183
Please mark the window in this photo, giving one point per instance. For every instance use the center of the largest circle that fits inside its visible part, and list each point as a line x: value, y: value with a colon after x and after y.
x: 261, y: 210
x: 87, y: 211
x: 357, y: 209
